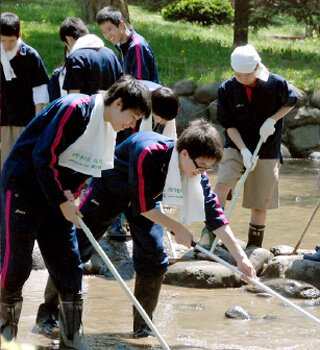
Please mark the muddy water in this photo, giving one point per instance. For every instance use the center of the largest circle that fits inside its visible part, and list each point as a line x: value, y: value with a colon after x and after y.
x: 194, y: 318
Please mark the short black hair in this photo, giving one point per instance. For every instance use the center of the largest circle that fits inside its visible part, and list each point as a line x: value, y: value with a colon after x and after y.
x: 201, y: 139
x: 10, y: 24
x: 74, y: 27
x: 110, y: 14
x: 135, y: 95
x: 165, y: 103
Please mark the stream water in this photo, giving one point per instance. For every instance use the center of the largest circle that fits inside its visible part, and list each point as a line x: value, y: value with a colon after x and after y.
x: 194, y: 318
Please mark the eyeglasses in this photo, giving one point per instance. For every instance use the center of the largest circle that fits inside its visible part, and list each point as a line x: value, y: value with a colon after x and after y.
x: 202, y: 169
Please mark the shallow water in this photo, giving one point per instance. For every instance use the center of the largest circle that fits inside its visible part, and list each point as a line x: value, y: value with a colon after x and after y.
x: 194, y: 318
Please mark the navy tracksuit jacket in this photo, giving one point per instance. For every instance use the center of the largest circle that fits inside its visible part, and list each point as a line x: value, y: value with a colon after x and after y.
x: 32, y: 185
x: 135, y: 186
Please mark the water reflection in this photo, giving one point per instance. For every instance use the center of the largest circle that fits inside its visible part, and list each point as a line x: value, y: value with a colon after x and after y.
x: 194, y: 318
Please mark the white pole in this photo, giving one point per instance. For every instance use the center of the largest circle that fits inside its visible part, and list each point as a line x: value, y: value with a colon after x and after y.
x: 115, y: 273
x: 243, y: 180
x: 261, y: 285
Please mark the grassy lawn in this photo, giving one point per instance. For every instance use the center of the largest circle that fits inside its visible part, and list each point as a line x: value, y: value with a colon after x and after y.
x: 182, y: 50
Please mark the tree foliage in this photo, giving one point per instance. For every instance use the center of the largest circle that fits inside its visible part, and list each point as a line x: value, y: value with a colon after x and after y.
x: 205, y: 12
x: 263, y: 12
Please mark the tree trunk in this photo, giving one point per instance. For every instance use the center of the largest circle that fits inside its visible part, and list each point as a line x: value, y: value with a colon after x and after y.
x: 241, y: 22
x: 92, y: 7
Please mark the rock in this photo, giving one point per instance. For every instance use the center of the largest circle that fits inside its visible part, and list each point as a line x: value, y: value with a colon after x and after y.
x: 189, y: 110
x: 270, y: 317
x: 302, y: 139
x: 238, y: 313
x: 259, y: 257
x: 212, y: 112
x: 315, y: 99
x: 283, y: 250
x: 302, y: 95
x: 207, y: 92
x: 293, y: 267
x: 303, y: 116
x: 184, y: 87
x: 288, y: 288
x: 120, y: 254
x: 202, y: 274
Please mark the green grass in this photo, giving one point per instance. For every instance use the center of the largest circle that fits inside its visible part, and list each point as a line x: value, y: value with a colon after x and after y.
x: 182, y: 50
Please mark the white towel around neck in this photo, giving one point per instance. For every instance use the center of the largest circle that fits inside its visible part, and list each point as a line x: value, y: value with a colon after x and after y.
x: 185, y: 192
x: 169, y: 129
x: 88, y: 41
x: 93, y: 151
x: 6, y: 56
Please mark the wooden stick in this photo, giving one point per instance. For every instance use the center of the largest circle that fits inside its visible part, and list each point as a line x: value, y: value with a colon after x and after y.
x: 306, y: 227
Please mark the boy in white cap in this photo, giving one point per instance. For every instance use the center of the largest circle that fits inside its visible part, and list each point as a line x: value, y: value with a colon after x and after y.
x: 251, y: 105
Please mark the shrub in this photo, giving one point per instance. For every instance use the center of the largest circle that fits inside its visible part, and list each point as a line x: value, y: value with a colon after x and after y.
x: 205, y: 12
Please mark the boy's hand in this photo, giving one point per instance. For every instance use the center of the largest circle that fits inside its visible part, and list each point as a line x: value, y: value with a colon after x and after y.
x: 246, y: 267
x: 183, y: 236
x: 267, y: 128
x: 70, y: 211
x: 249, y: 161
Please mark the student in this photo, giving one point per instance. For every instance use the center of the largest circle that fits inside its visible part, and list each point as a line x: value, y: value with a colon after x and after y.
x: 165, y: 106
x: 69, y: 141
x: 135, y: 54
x: 56, y: 81
x: 315, y: 256
x: 24, y: 83
x: 251, y: 105
x: 90, y: 65
x: 158, y: 168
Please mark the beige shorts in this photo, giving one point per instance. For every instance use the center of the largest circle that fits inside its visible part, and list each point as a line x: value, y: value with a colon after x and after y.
x: 9, y: 135
x: 261, y: 189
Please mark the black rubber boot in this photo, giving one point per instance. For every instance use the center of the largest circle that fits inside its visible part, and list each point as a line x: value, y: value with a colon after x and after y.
x: 70, y: 322
x: 146, y: 291
x: 11, y: 305
x: 47, y: 316
x: 255, y: 236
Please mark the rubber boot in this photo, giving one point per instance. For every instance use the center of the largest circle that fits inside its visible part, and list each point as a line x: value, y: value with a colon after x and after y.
x: 146, y: 291
x: 11, y: 305
x: 47, y: 316
x: 70, y: 316
x: 255, y: 235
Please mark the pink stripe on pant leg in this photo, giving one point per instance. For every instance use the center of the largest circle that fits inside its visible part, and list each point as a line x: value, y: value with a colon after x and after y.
x: 7, y: 254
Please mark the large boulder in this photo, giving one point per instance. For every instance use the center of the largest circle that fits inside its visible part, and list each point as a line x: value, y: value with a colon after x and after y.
x: 184, y: 87
x: 202, y: 274
x: 315, y: 99
x: 208, y: 92
x: 302, y: 116
x: 189, y: 110
x: 302, y: 139
x: 293, y: 267
x: 287, y: 287
x: 302, y: 95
